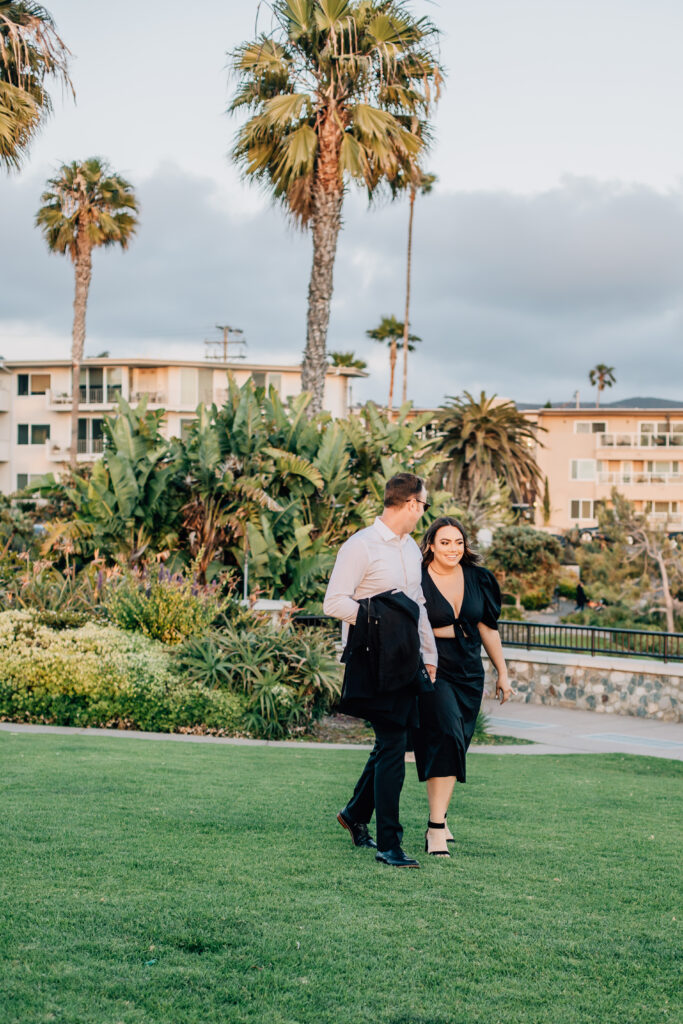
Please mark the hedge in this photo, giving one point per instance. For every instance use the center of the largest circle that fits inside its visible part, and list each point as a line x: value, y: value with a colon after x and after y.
x: 102, y: 676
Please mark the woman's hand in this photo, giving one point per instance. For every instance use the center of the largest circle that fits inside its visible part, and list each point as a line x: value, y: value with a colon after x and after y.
x: 503, y: 688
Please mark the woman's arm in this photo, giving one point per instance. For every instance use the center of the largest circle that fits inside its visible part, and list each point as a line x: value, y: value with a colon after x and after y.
x: 490, y: 638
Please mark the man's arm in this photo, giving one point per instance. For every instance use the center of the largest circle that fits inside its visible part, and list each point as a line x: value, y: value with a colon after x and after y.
x: 349, y: 568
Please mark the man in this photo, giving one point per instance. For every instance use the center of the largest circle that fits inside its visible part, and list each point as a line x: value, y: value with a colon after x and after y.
x: 379, y: 559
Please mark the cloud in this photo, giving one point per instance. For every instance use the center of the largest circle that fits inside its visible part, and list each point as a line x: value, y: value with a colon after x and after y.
x: 520, y: 295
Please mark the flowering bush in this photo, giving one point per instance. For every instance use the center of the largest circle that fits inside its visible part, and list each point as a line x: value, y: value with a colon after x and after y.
x: 163, y: 605
x: 101, y: 676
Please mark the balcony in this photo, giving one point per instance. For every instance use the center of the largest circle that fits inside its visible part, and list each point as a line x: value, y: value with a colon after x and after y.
x: 4, y: 451
x: 673, y: 439
x: 153, y: 397
x: 89, y: 448
x: 57, y: 453
x: 639, y: 479
x: 60, y: 401
x: 673, y: 520
x: 4, y: 400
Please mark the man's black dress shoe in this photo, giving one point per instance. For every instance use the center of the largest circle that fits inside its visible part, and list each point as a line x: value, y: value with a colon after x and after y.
x: 396, y: 858
x: 359, y: 832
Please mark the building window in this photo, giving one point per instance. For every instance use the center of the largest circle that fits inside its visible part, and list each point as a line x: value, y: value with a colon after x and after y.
x: 583, y: 469
x: 40, y: 433
x: 40, y: 383
x: 580, y: 508
x: 259, y: 379
x: 33, y: 383
x: 185, y: 428
x: 660, y: 508
x: 590, y: 427
x: 24, y: 479
x: 22, y: 433
x: 90, y: 437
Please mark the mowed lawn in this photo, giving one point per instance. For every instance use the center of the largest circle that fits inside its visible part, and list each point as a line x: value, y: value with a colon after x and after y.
x: 166, y: 883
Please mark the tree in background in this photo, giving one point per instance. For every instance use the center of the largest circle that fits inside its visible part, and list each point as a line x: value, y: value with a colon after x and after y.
x: 547, y: 510
x: 347, y: 359
x: 332, y: 92
x: 485, y: 441
x: 389, y: 331
x: 30, y: 53
x: 603, y: 377
x: 413, y: 180
x: 86, y: 205
x: 527, y: 563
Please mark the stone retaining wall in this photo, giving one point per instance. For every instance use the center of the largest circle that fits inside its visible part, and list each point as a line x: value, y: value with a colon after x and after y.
x: 624, y: 686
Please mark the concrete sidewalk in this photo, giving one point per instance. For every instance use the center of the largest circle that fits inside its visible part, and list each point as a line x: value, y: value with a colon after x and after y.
x: 553, y: 730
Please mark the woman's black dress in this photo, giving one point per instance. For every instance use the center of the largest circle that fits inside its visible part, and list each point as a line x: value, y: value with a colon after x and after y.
x: 448, y: 715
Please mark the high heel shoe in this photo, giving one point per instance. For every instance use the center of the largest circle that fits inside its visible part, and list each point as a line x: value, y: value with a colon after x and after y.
x: 434, y: 853
x: 449, y: 839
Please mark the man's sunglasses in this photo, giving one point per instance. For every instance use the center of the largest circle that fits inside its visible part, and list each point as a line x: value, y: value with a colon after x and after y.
x: 425, y: 503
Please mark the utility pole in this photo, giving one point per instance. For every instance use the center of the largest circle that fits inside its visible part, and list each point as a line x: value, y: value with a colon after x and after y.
x: 218, y: 349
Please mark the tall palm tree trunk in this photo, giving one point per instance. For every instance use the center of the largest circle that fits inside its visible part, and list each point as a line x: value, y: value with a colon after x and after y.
x: 83, y: 273
x: 326, y: 224
x: 406, y: 318
x: 393, y: 352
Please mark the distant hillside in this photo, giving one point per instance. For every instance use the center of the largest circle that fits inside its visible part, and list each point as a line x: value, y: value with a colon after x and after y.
x: 625, y: 403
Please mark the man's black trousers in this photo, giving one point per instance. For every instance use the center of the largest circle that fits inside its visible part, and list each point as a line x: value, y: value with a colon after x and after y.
x: 379, y: 787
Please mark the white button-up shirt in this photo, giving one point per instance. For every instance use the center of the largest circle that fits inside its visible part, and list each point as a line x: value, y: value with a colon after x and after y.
x: 371, y: 562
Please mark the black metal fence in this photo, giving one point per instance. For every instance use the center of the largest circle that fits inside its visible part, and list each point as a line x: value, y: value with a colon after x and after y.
x: 622, y: 643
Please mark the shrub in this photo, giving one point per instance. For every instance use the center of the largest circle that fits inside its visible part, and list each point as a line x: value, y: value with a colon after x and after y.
x: 534, y: 600
x: 101, y: 676
x: 288, y: 677
x: 164, y: 606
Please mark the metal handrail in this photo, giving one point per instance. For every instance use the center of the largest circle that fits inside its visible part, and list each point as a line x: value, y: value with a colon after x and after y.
x: 593, y: 640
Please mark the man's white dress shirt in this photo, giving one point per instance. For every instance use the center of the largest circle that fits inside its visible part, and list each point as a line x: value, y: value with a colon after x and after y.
x: 371, y: 562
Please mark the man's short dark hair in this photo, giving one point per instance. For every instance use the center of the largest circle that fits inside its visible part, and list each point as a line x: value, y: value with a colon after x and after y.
x: 402, y: 488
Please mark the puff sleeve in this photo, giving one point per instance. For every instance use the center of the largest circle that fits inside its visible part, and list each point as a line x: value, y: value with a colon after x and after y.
x: 490, y: 592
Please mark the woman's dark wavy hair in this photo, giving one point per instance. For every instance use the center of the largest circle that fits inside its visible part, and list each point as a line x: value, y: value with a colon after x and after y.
x: 469, y: 557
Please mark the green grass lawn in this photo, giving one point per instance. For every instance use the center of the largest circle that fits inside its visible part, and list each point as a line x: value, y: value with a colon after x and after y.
x: 166, y: 883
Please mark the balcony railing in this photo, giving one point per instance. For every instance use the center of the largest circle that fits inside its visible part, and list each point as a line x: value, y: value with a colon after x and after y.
x: 640, y: 478
x: 90, y: 446
x: 673, y: 439
x: 153, y: 397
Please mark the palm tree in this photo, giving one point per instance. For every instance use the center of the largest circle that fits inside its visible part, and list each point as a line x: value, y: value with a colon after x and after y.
x: 86, y: 205
x: 604, y: 377
x: 349, y: 359
x: 485, y: 441
x: 30, y: 52
x: 332, y: 92
x: 413, y: 180
x: 389, y: 331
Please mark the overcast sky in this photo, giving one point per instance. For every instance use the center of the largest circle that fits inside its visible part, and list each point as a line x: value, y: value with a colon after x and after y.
x: 553, y: 241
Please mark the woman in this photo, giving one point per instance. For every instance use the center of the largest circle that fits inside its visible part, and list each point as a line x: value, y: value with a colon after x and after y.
x: 463, y: 604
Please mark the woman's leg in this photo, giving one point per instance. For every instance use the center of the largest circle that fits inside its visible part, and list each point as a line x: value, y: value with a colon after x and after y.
x: 439, y: 791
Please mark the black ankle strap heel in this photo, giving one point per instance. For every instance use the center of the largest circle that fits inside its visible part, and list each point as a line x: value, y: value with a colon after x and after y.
x: 435, y: 853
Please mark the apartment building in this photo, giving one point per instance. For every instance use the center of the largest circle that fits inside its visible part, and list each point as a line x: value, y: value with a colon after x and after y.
x: 631, y: 446
x: 35, y: 403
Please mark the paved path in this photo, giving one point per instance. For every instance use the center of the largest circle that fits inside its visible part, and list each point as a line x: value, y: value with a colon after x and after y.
x: 553, y: 731
x: 564, y: 731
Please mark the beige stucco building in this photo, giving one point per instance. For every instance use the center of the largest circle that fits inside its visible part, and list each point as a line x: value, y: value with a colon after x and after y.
x: 587, y: 451
x: 35, y: 402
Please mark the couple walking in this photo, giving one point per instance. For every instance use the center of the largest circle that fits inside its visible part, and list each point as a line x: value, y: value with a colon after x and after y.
x: 414, y: 622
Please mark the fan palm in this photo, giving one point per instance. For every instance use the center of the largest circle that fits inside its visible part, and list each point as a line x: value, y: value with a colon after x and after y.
x: 332, y: 92
x: 487, y: 440
x: 389, y: 331
x: 30, y: 52
x: 604, y: 377
x: 349, y: 359
x: 86, y: 205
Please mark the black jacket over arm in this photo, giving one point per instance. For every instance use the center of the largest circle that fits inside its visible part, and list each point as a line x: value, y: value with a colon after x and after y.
x: 384, y: 669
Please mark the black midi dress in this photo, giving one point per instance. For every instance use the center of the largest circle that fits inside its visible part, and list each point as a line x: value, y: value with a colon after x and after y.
x: 448, y: 715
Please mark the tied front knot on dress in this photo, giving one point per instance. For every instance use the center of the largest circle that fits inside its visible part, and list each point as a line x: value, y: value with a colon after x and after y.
x: 449, y: 714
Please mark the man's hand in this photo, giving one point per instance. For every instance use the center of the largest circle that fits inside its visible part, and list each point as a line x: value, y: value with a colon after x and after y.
x: 431, y: 672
